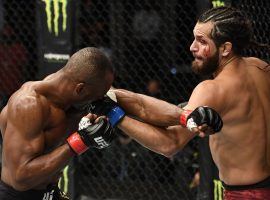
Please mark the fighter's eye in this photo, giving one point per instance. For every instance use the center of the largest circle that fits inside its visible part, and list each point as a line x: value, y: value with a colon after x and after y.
x: 202, y: 41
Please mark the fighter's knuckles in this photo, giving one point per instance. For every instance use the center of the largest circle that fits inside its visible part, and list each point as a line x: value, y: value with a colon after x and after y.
x: 206, y: 115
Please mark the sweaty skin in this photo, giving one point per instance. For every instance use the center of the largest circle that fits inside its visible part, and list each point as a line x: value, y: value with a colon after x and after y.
x: 34, y: 126
x: 239, y: 92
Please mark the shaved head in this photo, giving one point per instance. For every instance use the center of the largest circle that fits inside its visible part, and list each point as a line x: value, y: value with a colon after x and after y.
x: 88, y: 65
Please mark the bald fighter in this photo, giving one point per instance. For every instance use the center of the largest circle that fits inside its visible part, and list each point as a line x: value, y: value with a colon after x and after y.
x: 239, y: 92
x: 35, y: 122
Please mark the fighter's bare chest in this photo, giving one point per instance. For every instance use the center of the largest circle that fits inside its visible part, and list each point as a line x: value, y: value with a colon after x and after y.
x: 59, y: 126
x: 55, y: 135
x: 56, y: 130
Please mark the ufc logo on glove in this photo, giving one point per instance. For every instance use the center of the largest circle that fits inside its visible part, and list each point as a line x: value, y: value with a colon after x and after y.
x: 101, y: 142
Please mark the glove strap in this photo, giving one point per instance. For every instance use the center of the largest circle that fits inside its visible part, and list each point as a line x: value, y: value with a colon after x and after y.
x: 115, y: 115
x: 76, y: 144
x: 183, y: 117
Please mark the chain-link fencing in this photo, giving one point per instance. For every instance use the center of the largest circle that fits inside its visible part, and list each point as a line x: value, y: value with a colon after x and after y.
x: 148, y: 42
x: 18, y: 41
x: 259, y: 12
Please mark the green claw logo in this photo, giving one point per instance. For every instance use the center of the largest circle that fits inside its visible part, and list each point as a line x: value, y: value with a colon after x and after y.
x: 58, y: 7
x: 218, y: 190
x: 218, y: 3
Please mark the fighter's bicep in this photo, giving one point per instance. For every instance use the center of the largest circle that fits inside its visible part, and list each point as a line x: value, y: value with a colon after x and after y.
x: 21, y: 149
x: 24, y: 137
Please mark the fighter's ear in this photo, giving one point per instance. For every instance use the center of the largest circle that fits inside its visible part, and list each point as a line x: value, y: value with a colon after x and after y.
x: 226, y: 49
x: 79, y: 88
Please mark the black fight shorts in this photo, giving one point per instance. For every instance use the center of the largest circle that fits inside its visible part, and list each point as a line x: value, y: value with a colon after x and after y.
x: 51, y: 193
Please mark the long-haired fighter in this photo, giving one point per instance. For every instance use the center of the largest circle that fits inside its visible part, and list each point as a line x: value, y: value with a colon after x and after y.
x: 239, y: 92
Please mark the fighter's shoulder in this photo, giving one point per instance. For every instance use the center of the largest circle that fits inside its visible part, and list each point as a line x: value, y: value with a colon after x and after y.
x: 254, y: 60
x: 27, y: 102
x: 208, y: 86
x: 206, y: 93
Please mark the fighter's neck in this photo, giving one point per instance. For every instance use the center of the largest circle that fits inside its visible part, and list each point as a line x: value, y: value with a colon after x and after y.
x: 226, y: 63
x: 55, y: 88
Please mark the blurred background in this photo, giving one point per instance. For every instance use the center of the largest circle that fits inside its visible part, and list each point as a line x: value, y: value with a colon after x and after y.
x: 148, y: 42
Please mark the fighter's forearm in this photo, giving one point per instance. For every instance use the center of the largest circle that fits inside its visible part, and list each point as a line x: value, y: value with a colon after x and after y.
x: 165, y: 141
x: 38, y: 170
x: 149, y: 109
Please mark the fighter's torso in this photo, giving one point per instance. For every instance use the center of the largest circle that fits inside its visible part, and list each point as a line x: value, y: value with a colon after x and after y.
x: 241, y: 150
x: 53, y: 133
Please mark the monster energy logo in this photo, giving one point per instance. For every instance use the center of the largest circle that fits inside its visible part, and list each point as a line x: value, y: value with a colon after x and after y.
x: 63, y: 181
x: 218, y: 3
x: 53, y: 10
x: 218, y: 190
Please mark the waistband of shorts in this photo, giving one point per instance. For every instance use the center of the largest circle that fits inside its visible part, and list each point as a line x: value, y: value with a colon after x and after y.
x: 27, y: 192
x: 262, y: 184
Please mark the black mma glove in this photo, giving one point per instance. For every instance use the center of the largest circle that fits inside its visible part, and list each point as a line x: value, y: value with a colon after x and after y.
x: 199, y: 116
x: 107, y: 107
x: 98, y: 135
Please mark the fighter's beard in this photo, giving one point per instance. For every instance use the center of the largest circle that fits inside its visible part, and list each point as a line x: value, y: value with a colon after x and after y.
x: 208, y: 67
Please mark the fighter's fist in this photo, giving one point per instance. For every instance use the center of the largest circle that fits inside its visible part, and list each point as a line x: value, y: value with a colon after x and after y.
x: 98, y: 135
x: 109, y: 107
x: 201, y: 116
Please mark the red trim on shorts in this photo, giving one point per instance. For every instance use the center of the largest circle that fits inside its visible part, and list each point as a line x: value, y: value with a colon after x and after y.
x: 261, y: 193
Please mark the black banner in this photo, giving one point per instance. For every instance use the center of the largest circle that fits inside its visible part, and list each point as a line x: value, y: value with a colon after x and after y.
x: 55, y: 34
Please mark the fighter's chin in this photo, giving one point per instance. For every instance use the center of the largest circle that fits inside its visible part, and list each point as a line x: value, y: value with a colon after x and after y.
x: 197, y: 66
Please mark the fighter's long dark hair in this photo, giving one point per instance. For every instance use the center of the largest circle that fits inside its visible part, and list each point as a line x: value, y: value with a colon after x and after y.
x: 231, y: 25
